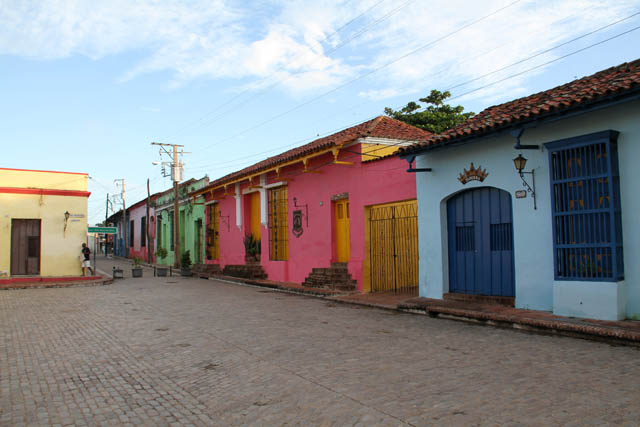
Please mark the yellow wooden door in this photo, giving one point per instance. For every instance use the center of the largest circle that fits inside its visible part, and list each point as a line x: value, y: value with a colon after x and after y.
x: 342, y: 230
x: 255, y: 215
x: 392, y: 247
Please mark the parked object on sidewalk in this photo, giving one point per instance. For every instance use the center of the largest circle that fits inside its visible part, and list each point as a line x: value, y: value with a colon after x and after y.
x: 162, y: 269
x: 118, y: 273
x: 136, y: 271
x: 185, y: 263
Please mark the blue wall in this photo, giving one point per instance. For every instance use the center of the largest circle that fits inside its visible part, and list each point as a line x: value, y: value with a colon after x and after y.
x: 535, y: 285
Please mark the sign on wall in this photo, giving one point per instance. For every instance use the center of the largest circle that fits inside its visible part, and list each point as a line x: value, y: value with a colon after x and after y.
x: 473, y: 174
x: 297, y: 223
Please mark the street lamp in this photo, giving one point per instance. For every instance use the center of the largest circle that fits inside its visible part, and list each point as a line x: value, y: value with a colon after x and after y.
x: 519, y: 163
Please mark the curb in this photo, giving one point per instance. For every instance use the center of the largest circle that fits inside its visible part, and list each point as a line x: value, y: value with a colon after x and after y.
x: 543, y: 326
x: 540, y: 326
x: 106, y: 280
x: 231, y: 279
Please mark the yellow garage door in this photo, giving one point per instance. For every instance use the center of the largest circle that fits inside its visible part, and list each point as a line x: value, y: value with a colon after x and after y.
x: 393, y: 247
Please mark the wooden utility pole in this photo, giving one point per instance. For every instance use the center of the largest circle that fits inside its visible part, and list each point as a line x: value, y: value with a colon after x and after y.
x: 147, y: 224
x: 125, y: 223
x: 177, y: 168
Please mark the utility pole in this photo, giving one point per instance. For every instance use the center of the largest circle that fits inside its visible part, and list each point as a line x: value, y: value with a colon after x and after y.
x: 124, y: 216
x: 177, y: 170
x: 147, y: 223
x: 106, y: 217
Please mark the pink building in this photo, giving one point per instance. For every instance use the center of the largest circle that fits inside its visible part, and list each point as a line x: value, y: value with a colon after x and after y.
x: 137, y: 231
x: 340, y: 211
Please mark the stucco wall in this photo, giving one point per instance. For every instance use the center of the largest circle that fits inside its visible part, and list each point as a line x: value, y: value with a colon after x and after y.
x: 136, y: 214
x: 533, y: 245
x: 189, y: 211
x: 59, y: 248
x: 367, y: 184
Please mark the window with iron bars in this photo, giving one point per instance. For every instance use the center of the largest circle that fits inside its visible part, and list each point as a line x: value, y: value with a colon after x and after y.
x: 278, y: 224
x: 585, y: 204
x: 143, y: 231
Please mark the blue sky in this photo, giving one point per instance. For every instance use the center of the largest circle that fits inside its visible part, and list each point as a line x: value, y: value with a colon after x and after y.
x: 87, y: 86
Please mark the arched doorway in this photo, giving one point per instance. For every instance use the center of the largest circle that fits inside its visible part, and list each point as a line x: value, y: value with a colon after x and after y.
x: 480, y: 236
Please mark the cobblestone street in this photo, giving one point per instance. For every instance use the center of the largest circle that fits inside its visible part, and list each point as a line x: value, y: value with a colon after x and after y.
x: 174, y: 351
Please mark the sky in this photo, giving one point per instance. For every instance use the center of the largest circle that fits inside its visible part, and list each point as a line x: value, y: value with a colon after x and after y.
x: 86, y: 86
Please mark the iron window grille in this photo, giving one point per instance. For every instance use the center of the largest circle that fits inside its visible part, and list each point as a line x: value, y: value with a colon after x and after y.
x: 585, y: 205
x: 131, y: 236
x: 278, y: 224
x: 143, y: 231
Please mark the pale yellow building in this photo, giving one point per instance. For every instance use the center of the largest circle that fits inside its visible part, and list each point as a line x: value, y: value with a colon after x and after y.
x: 43, y: 222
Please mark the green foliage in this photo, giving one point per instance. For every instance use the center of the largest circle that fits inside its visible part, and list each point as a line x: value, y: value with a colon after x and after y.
x: 162, y: 253
x: 436, y: 116
x: 251, y: 245
x: 185, y: 259
x: 137, y: 261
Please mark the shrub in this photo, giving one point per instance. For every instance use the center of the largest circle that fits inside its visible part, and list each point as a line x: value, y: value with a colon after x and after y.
x: 251, y: 245
x: 185, y: 259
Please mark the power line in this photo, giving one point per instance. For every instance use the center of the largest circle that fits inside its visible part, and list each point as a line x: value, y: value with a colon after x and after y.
x: 492, y: 72
x: 431, y: 43
x: 547, y: 63
x: 274, y: 74
x: 544, y: 51
x: 279, y: 82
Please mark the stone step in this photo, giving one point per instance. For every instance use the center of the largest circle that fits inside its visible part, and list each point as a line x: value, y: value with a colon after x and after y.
x: 245, y: 271
x: 335, y: 277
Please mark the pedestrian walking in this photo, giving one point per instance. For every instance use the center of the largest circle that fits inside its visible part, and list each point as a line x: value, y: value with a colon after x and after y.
x: 86, y: 262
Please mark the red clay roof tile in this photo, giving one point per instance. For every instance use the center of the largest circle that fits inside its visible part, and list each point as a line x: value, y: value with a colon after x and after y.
x: 380, y: 127
x: 578, y: 93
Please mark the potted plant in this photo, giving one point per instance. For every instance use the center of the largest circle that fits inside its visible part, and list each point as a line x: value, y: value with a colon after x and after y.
x: 162, y: 270
x: 136, y: 271
x: 251, y: 248
x: 185, y: 264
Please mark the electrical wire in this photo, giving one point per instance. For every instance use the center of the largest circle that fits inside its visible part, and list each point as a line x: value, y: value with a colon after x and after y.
x: 274, y: 74
x: 316, y: 98
x: 546, y: 63
x: 291, y: 75
x: 543, y: 52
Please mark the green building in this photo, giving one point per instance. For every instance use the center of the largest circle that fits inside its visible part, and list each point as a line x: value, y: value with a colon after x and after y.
x: 191, y: 221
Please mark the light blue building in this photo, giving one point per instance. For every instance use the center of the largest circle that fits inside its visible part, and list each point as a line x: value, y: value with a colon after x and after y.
x: 572, y: 247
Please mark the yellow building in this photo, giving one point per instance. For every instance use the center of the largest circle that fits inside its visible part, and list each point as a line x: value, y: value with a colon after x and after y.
x: 43, y: 223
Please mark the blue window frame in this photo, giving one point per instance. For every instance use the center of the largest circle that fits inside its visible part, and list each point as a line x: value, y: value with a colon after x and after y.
x: 585, y: 206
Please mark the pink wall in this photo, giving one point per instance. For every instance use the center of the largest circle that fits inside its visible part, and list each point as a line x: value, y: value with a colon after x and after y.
x: 382, y: 181
x: 136, y: 214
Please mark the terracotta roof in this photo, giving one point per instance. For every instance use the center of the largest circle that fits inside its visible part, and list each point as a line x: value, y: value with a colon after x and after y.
x: 615, y: 81
x: 380, y: 127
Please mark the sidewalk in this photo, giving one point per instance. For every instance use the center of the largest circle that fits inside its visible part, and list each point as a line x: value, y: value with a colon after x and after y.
x: 36, y: 282
x: 626, y: 332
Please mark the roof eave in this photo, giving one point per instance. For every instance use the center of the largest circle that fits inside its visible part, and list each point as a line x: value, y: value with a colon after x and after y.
x: 571, y: 111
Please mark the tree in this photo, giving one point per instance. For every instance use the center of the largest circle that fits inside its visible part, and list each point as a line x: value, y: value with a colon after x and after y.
x: 436, y: 117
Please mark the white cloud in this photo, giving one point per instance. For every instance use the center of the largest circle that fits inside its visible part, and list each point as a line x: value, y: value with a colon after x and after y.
x: 295, y: 41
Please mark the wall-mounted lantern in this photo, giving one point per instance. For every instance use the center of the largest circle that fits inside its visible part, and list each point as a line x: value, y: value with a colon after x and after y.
x: 520, y: 162
x: 66, y: 219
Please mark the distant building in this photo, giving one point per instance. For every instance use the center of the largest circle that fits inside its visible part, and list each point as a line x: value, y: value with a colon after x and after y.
x: 190, y: 221
x: 43, y: 222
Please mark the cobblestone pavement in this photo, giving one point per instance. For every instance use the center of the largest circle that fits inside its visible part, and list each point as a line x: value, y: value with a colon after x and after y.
x: 173, y: 351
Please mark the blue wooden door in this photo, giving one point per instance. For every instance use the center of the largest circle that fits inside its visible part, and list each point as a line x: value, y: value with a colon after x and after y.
x: 481, y: 242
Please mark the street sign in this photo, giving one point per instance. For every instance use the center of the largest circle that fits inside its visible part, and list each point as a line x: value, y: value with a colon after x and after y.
x: 103, y: 230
